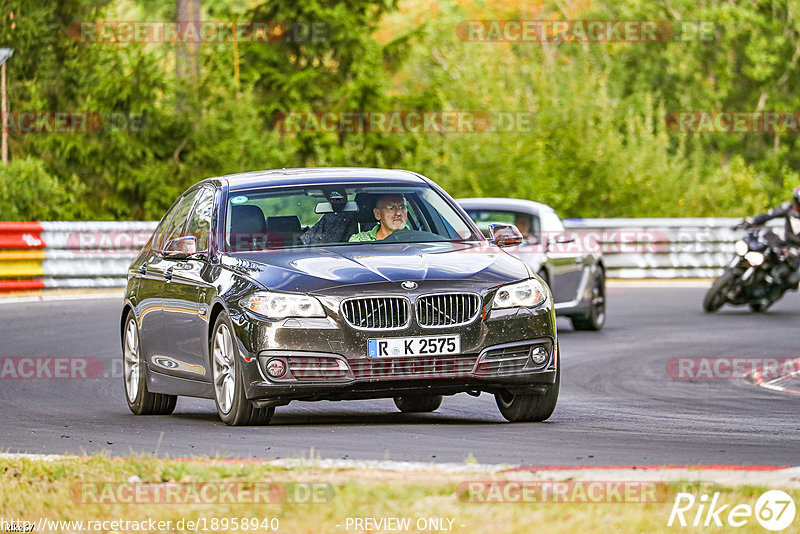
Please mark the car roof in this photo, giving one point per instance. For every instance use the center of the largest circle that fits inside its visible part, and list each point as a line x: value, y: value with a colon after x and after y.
x: 318, y: 176
x: 504, y: 204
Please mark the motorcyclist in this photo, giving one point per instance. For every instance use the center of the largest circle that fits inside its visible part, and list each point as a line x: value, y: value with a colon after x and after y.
x: 791, y: 212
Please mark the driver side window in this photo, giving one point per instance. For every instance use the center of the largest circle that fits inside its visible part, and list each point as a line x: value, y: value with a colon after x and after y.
x: 161, y: 232
x: 200, y: 222
x: 179, y: 219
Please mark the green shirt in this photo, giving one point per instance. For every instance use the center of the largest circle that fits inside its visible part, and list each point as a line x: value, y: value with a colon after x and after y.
x: 371, y: 235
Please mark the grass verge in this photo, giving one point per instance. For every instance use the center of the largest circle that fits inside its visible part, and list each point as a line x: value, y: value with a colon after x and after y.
x: 200, y: 495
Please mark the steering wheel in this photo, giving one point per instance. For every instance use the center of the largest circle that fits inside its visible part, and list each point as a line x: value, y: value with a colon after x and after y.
x: 412, y: 236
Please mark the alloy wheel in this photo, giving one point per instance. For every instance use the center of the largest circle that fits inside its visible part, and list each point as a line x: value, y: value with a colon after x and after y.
x: 599, y: 300
x: 130, y: 361
x: 224, y: 368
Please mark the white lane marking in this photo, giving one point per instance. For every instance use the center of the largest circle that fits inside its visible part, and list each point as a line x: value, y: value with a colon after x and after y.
x: 786, y: 477
x: 659, y: 284
x: 39, y: 457
x: 390, y: 465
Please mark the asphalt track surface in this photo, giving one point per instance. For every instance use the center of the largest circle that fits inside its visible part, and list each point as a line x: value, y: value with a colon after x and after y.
x: 617, y: 406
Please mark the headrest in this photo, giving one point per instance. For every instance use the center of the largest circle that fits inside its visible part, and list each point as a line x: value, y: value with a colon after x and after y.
x: 284, y: 224
x: 248, y: 227
x: 366, y: 203
x: 248, y: 219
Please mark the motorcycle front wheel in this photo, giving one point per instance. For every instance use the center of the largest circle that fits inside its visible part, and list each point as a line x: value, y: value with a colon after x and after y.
x: 716, y: 294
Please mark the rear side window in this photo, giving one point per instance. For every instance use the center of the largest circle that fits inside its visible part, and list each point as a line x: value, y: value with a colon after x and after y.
x: 200, y: 221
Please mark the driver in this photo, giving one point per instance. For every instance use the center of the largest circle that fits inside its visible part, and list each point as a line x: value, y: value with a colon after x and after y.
x: 523, y: 223
x: 391, y: 213
x: 791, y: 212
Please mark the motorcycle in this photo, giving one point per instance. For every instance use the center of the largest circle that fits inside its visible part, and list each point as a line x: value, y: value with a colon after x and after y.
x: 758, y: 275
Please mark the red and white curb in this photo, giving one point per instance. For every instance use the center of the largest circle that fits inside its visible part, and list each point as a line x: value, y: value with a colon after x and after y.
x: 787, y: 383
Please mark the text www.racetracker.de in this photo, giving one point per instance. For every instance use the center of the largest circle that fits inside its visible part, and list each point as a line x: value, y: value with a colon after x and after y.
x: 199, y: 524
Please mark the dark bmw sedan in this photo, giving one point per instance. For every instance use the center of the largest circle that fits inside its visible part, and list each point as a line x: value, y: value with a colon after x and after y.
x: 263, y: 288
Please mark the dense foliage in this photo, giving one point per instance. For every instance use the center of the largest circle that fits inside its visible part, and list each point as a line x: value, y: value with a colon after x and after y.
x: 598, y: 145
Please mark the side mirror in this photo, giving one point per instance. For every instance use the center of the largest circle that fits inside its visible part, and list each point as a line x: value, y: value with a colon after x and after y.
x: 559, y: 239
x: 505, y: 235
x: 181, y: 248
x: 564, y: 238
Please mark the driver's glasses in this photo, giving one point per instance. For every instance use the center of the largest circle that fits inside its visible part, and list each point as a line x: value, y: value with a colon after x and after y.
x: 397, y: 207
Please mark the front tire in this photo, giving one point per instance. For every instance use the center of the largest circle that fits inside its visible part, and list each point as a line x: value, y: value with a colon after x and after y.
x: 226, y: 372
x: 140, y: 400
x: 715, y: 296
x: 596, y: 317
x: 529, y: 407
x: 418, y: 404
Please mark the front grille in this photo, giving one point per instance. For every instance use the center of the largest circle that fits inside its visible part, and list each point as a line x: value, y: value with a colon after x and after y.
x: 376, y: 313
x: 417, y: 367
x: 447, y: 309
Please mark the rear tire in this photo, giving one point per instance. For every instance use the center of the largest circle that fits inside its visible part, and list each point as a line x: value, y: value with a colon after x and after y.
x: 530, y: 407
x: 140, y: 400
x: 715, y: 296
x: 759, y: 307
x: 596, y: 317
x: 226, y: 371
x: 418, y: 403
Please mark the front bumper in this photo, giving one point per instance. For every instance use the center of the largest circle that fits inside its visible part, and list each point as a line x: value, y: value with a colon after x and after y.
x: 327, y: 360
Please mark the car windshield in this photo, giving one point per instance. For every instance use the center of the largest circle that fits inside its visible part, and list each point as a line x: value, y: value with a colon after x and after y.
x: 351, y: 214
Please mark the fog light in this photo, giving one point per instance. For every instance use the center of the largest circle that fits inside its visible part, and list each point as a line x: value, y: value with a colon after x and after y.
x: 539, y: 355
x: 276, y: 368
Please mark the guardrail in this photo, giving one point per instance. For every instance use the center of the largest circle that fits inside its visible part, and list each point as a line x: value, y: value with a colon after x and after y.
x: 38, y: 255
x: 663, y: 248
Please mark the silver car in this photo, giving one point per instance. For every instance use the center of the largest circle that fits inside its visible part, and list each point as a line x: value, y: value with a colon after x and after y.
x: 573, y: 269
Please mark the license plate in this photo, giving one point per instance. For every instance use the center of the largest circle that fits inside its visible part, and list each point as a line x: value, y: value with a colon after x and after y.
x: 391, y: 347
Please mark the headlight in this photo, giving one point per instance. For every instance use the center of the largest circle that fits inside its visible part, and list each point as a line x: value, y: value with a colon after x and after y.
x: 528, y: 294
x: 741, y: 248
x: 754, y: 258
x: 282, y: 305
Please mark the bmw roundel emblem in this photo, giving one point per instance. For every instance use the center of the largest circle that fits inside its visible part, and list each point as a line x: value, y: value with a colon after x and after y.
x: 409, y: 285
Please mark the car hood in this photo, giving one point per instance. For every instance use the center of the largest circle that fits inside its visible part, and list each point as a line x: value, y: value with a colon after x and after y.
x: 319, y: 268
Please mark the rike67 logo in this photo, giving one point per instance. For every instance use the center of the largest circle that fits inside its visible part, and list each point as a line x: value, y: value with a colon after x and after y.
x: 774, y: 510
